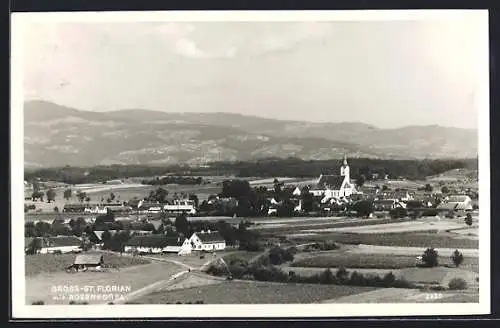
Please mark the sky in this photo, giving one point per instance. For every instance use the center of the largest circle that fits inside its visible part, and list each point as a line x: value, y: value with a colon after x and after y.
x: 387, y: 73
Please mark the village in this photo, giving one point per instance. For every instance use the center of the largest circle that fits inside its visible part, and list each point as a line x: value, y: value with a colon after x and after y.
x: 206, y: 233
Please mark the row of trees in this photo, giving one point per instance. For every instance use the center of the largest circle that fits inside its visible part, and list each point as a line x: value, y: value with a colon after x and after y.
x: 292, y: 167
x: 181, y: 180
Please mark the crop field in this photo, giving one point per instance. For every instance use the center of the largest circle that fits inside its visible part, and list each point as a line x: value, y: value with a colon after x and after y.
x: 312, y: 226
x: 250, y: 292
x: 135, y: 278
x: 390, y: 226
x: 372, y: 261
x: 51, y: 263
x: 415, y: 239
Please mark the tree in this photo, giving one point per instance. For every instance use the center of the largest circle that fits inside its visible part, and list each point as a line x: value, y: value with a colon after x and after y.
x: 307, y: 199
x: 106, y: 239
x: 112, y: 196
x: 430, y: 257
x: 428, y: 188
x: 51, y: 195
x: 384, y: 188
x: 30, y: 230
x: 457, y: 258
x: 182, y: 224
x: 342, y: 275
x: 445, y: 190
x: 44, y: 229
x: 360, y: 180
x: 87, y: 199
x: 194, y: 198
x: 37, y: 195
x: 56, y: 209
x: 363, y: 207
x: 468, y: 219
x: 35, y: 246
x: 81, y: 195
x: 68, y: 193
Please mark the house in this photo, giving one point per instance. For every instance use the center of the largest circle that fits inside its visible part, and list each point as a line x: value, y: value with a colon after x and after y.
x: 74, y: 208
x: 335, y: 185
x: 156, y: 244
x: 60, y: 244
x: 207, y: 241
x: 149, y: 207
x: 297, y: 192
x: 180, y: 206
x: 88, y: 261
x: 456, y: 203
x: 117, y: 208
x: 134, y: 203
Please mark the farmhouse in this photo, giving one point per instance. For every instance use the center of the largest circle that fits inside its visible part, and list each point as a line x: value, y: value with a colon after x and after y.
x: 207, y: 241
x: 88, y: 261
x: 156, y: 244
x: 62, y: 244
x: 335, y: 185
x: 180, y: 206
x: 456, y: 202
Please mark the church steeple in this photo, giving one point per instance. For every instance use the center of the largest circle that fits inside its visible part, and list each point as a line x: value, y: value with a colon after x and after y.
x: 344, y: 169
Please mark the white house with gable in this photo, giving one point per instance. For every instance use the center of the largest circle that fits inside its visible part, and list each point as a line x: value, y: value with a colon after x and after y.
x: 209, y: 241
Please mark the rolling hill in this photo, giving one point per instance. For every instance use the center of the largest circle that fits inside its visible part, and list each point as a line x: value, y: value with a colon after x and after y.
x: 57, y: 136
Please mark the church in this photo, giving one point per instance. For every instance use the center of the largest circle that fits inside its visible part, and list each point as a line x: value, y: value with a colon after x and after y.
x: 336, y: 186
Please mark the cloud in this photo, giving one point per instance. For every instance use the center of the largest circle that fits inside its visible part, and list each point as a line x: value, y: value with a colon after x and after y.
x: 188, y: 48
x: 286, y: 39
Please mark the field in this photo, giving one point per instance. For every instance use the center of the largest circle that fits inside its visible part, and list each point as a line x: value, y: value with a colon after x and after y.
x: 135, y: 278
x: 249, y: 292
x: 50, y: 263
x: 371, y: 261
x: 415, y: 239
x: 123, y: 192
x: 242, y: 255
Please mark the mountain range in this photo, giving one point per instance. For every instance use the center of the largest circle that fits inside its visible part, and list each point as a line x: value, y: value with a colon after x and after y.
x: 55, y: 135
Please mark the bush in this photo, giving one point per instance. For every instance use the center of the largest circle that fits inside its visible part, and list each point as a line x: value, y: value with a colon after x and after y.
x: 38, y: 303
x: 457, y: 284
x: 468, y: 219
x: 430, y: 258
x: 457, y: 258
x: 398, y: 213
x: 278, y: 255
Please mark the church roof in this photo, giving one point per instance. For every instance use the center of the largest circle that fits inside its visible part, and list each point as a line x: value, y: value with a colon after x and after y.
x: 330, y: 181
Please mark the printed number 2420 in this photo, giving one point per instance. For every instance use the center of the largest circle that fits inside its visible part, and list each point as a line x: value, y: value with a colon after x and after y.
x: 433, y: 296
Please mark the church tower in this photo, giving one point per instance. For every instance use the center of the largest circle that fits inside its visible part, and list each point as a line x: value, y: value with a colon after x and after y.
x: 344, y: 170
